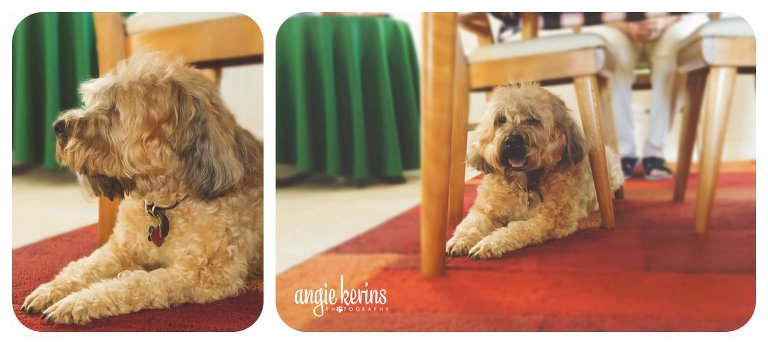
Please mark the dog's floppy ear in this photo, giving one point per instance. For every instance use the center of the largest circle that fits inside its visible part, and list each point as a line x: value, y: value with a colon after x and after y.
x: 108, y: 187
x: 215, y: 152
x: 476, y: 161
x: 575, y: 144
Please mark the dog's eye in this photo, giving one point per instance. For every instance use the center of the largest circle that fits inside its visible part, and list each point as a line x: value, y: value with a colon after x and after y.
x: 531, y: 121
x: 501, y: 120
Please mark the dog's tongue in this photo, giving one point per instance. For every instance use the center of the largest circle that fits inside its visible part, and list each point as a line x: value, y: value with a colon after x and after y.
x: 516, y: 162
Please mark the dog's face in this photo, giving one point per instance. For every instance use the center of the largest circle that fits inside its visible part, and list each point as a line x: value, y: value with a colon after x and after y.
x: 525, y: 128
x: 153, y: 124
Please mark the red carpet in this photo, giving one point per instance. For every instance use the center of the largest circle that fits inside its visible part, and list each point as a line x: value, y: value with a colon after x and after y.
x: 40, y: 262
x: 653, y: 273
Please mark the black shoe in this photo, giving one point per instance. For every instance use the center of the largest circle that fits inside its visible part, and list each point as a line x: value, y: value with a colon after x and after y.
x: 628, y: 166
x: 655, y: 168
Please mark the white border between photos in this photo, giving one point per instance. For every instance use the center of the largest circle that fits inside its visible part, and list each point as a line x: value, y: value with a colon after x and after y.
x: 269, y: 15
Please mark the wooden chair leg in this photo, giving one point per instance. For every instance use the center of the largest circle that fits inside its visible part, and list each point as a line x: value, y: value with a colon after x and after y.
x: 678, y: 81
x: 719, y: 91
x: 107, y: 217
x: 608, y: 124
x: 530, y: 25
x: 694, y: 90
x: 214, y: 74
x: 589, y: 107
x: 458, y: 138
x: 111, y: 44
x: 111, y: 47
x: 439, y: 30
x: 606, y: 109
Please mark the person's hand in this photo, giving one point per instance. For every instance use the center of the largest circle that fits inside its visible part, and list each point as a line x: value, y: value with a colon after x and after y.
x: 643, y: 31
x: 647, y: 30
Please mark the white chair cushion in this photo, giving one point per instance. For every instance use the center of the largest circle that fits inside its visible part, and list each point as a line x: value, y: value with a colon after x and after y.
x: 148, y: 21
x: 537, y: 46
x: 729, y: 27
x: 733, y: 28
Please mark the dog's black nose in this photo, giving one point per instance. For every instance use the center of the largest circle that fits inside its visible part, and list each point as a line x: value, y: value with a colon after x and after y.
x: 513, y: 141
x: 60, y: 130
x: 59, y: 127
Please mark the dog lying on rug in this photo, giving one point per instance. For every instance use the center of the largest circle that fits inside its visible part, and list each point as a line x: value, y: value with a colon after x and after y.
x: 190, y: 226
x: 537, y: 182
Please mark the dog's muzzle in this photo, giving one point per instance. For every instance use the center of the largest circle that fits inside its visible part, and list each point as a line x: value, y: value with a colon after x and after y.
x: 60, y: 130
x: 514, y: 151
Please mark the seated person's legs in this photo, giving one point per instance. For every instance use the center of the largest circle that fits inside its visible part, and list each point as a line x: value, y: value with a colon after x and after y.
x: 662, y: 54
x: 625, y: 54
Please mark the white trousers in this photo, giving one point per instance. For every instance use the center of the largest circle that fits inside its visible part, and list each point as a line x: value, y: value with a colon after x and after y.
x: 661, y: 54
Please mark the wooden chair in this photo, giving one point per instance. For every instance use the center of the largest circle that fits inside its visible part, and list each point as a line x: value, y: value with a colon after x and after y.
x: 210, y: 41
x: 447, y: 78
x: 711, y: 58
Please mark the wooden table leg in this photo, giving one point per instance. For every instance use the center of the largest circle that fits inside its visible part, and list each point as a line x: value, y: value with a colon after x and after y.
x: 589, y: 109
x: 694, y: 90
x: 436, y: 111
x: 717, y: 105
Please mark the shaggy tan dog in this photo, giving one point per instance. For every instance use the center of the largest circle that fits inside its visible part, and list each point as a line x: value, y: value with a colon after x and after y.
x: 538, y: 183
x: 190, y: 226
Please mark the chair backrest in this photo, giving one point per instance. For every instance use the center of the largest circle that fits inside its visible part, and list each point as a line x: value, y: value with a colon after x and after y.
x: 213, y: 43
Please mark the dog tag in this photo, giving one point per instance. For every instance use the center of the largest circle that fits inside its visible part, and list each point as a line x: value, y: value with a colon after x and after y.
x: 157, y: 233
x: 155, y: 236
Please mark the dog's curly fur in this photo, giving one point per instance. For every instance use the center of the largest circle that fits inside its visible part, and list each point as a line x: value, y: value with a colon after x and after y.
x: 551, y: 149
x: 157, y: 130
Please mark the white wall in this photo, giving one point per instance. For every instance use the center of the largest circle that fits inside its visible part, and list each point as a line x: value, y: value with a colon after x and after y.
x: 242, y: 89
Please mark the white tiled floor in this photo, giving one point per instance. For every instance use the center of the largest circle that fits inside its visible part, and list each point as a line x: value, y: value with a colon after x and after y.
x: 48, y: 203
x: 318, y: 214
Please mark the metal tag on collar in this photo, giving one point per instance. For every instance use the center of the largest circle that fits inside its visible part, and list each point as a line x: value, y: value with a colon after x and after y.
x: 530, y: 197
x: 157, y: 233
x: 150, y: 208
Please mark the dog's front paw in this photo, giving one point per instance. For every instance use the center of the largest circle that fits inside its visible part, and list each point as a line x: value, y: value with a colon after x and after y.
x: 459, y: 245
x: 44, y: 296
x: 486, y: 249
x: 72, y: 309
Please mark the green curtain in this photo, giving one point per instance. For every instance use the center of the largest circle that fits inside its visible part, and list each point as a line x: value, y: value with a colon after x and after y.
x: 52, y: 54
x: 347, y: 96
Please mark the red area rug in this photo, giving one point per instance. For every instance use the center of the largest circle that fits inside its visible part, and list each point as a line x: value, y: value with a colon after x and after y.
x: 653, y: 273
x: 40, y: 262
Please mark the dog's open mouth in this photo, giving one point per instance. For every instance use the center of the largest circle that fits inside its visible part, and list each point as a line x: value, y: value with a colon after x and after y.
x: 516, y: 162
